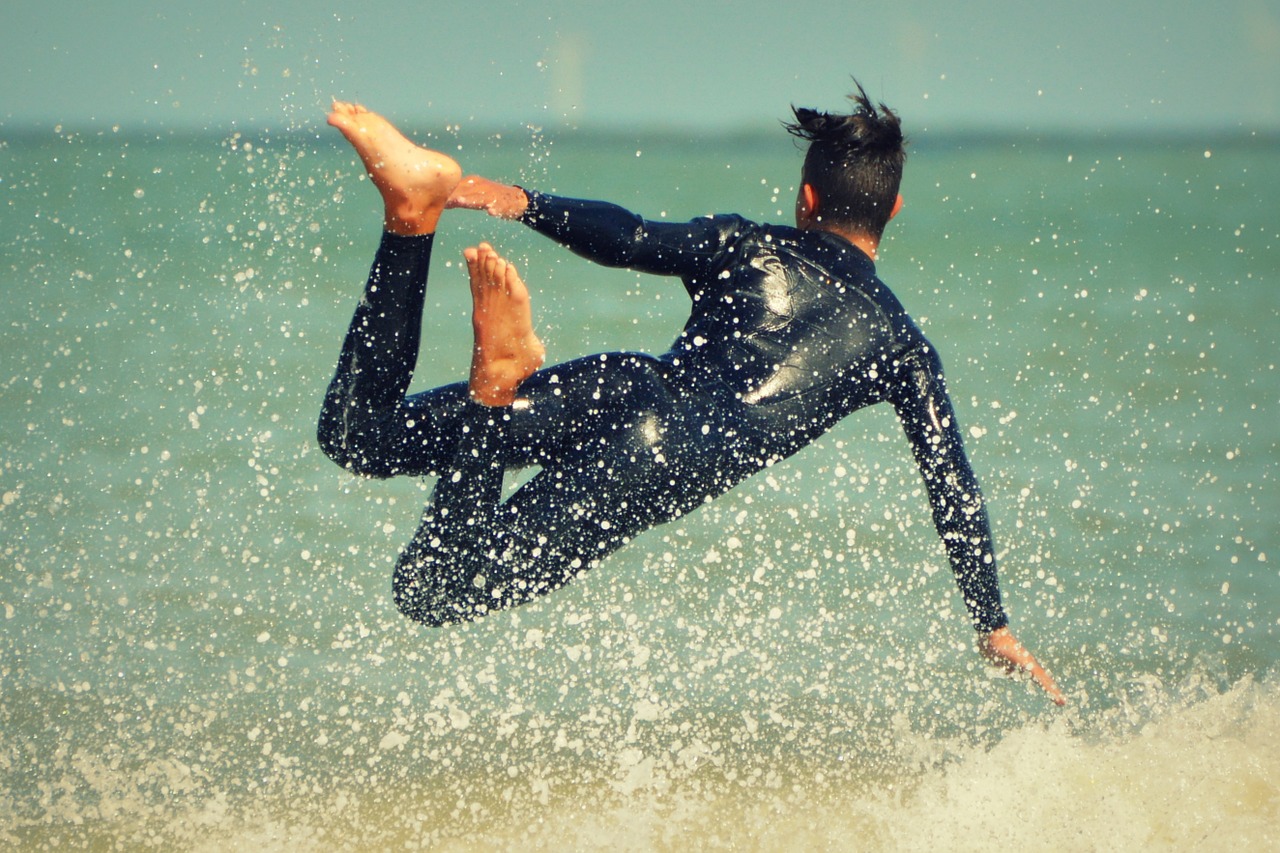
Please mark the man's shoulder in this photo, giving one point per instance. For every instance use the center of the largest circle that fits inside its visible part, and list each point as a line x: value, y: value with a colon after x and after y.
x: 726, y: 232
x: 728, y: 222
x: 742, y: 228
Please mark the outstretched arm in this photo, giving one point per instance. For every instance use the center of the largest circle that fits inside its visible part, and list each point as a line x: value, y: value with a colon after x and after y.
x: 959, y: 512
x: 602, y: 232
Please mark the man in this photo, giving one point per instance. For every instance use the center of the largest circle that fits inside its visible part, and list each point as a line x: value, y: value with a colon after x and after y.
x: 790, y: 331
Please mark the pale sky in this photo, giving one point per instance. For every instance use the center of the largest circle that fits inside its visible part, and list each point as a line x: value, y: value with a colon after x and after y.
x: 1027, y: 65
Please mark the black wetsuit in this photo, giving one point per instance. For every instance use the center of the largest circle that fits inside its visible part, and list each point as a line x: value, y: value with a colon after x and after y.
x: 790, y: 331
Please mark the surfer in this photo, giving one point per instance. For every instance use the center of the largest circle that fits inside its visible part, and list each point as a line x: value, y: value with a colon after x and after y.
x: 790, y: 331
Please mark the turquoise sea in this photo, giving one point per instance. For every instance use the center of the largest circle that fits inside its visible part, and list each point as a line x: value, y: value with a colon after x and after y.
x: 198, y: 649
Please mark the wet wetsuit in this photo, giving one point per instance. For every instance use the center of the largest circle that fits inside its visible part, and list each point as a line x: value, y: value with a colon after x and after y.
x: 789, y: 332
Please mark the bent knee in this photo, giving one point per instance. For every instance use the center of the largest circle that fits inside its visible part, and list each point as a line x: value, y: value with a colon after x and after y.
x: 426, y: 610
x: 434, y: 611
x: 422, y: 593
x: 427, y: 617
x: 346, y: 451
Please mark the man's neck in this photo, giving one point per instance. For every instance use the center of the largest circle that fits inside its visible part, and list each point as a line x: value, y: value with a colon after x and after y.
x: 861, y: 239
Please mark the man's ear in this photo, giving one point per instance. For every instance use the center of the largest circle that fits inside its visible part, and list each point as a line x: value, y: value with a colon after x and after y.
x: 807, y: 204
x: 897, y: 206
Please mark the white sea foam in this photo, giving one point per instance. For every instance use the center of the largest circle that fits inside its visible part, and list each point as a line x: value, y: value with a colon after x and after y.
x: 1189, y: 769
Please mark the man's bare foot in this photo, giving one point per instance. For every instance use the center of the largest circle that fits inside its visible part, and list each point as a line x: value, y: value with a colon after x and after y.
x: 507, y: 352
x: 415, y: 182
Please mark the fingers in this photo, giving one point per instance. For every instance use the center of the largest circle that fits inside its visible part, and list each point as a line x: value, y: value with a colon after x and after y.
x: 472, y: 193
x: 462, y: 195
x: 501, y: 201
x: 1004, y: 650
x: 1042, y: 678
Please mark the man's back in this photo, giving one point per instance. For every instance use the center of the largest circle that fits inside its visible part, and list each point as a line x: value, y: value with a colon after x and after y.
x: 782, y: 312
x: 776, y: 312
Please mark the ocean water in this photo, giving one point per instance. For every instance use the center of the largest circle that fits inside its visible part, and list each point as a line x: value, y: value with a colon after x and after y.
x: 198, y: 649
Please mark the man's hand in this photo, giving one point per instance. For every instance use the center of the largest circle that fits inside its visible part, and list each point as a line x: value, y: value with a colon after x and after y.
x: 501, y: 200
x: 1003, y: 649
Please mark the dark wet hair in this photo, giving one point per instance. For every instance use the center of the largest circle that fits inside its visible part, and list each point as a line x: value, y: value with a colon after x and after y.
x: 854, y: 162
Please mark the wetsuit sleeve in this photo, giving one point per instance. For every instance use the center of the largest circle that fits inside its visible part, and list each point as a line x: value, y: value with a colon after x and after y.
x: 615, y: 237
x: 959, y: 512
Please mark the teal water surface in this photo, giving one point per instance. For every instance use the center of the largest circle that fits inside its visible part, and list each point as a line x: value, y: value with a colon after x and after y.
x: 198, y: 647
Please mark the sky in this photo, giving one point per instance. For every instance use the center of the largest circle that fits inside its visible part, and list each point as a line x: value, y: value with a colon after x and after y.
x: 706, y: 64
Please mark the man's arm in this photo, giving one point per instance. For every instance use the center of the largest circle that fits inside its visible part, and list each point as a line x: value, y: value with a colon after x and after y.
x: 959, y: 512
x: 1003, y: 650
x: 502, y: 201
x: 602, y: 232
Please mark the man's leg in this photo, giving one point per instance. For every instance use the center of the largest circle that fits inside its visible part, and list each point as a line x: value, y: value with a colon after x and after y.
x: 363, y: 423
x: 367, y: 424
x: 644, y: 464
x: 632, y: 455
x: 415, y: 182
x: 506, y: 351
x: 462, y: 531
